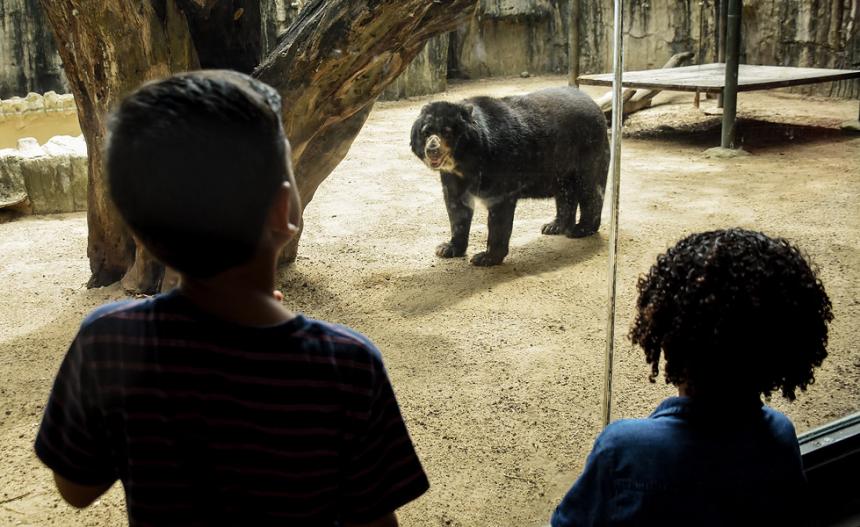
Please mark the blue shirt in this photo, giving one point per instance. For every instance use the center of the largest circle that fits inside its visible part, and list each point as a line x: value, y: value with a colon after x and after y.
x: 691, y: 463
x: 210, y: 423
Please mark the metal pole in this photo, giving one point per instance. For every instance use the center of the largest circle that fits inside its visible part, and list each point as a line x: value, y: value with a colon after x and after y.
x: 730, y: 91
x: 615, y: 172
x: 721, y: 40
x: 573, y: 44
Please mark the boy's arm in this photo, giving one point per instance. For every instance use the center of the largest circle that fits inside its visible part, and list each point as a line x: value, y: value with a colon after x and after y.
x: 77, y: 495
x: 72, y: 439
x: 586, y: 501
x: 382, y: 472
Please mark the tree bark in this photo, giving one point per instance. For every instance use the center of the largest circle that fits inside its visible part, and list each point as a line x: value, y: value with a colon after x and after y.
x: 333, y: 63
x: 108, y: 49
x: 330, y: 67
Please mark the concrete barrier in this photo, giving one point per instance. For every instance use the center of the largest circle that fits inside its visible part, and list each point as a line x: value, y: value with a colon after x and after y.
x: 52, y: 177
x: 17, y: 107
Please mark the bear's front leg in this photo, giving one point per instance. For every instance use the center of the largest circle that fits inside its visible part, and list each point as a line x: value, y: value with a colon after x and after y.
x: 500, y: 222
x: 460, y: 206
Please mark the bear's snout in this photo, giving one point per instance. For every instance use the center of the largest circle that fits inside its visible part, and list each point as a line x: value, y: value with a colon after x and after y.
x: 434, y: 144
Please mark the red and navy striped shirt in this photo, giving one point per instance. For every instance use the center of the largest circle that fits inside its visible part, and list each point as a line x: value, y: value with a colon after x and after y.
x: 210, y: 423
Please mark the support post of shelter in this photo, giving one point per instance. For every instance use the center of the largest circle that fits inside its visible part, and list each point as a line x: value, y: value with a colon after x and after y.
x: 730, y: 91
x: 721, y: 39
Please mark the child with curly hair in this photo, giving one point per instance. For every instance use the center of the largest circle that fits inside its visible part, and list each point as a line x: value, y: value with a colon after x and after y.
x: 735, y: 315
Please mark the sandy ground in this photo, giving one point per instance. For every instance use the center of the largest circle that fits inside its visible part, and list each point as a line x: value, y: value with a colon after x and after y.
x: 498, y: 371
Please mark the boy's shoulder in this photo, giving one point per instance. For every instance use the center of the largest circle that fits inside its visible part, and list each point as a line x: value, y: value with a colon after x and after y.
x: 119, y: 309
x: 315, y: 337
x: 343, y: 338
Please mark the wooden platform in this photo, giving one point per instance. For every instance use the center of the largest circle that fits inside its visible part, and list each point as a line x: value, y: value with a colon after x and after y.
x: 711, y: 77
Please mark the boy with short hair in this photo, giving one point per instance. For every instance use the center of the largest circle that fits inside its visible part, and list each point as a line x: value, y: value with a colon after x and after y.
x: 735, y: 315
x: 213, y: 404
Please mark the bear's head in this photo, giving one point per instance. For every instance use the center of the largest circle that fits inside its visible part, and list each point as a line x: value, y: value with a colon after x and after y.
x: 438, y: 131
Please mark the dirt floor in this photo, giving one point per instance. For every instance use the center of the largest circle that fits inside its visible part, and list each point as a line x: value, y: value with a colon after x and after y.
x: 498, y: 371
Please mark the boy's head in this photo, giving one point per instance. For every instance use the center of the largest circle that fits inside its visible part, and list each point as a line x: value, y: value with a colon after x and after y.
x: 195, y: 165
x: 734, y: 313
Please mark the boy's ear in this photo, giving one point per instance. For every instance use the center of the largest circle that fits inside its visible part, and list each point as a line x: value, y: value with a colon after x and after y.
x: 282, y: 213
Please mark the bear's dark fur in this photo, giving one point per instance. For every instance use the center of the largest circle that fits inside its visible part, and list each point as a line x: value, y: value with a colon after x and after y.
x: 550, y: 143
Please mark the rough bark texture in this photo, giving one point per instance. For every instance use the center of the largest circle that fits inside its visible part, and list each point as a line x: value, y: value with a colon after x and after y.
x: 330, y: 67
x: 108, y: 49
x: 332, y: 64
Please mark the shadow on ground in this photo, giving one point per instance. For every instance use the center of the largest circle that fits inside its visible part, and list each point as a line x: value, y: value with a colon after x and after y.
x: 450, y: 281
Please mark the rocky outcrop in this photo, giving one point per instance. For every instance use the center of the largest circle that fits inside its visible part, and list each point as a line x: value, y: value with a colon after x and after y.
x: 508, y: 37
x: 426, y: 74
x: 29, y: 61
x: 51, y: 177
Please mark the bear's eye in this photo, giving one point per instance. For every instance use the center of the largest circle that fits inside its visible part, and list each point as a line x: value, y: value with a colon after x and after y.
x: 447, y: 130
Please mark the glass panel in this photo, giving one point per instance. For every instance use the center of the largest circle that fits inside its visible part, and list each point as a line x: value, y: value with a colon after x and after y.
x: 499, y: 370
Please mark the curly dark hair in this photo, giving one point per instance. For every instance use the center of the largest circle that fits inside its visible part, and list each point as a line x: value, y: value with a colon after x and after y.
x: 733, y: 310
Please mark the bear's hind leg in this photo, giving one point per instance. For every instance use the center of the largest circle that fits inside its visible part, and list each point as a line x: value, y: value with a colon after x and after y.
x: 566, y: 201
x: 589, y: 215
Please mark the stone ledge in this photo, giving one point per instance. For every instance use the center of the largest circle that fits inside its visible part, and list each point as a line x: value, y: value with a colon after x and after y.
x: 53, y: 176
x: 51, y: 102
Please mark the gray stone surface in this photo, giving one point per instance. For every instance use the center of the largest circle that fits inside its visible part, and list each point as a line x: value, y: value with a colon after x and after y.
x: 426, y: 74
x: 52, y: 176
x: 29, y: 61
x: 12, y: 188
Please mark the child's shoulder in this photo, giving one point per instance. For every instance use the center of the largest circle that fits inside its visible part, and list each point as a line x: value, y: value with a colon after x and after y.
x: 780, y: 424
x: 626, y: 432
x: 116, y: 309
x: 344, y: 340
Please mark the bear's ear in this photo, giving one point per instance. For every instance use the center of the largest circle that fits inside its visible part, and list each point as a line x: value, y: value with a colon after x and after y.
x: 467, y: 111
x: 415, y: 138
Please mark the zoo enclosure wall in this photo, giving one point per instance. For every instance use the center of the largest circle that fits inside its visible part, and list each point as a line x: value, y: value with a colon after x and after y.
x: 509, y: 37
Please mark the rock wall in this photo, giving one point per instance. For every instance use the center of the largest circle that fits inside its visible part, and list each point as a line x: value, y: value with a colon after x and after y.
x: 46, y: 179
x: 508, y: 37
x: 29, y: 61
x: 428, y: 72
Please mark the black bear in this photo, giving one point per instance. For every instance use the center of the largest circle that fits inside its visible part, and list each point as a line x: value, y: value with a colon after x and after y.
x: 550, y: 143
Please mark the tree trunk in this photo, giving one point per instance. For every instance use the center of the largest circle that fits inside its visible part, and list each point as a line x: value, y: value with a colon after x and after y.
x: 108, y: 48
x: 332, y: 64
x: 329, y: 68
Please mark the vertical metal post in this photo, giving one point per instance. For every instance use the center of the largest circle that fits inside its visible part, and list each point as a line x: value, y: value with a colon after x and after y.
x: 730, y: 91
x: 573, y: 44
x: 615, y: 172
x: 721, y: 39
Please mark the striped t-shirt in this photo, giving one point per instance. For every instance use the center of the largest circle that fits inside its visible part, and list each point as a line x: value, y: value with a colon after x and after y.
x: 210, y: 423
